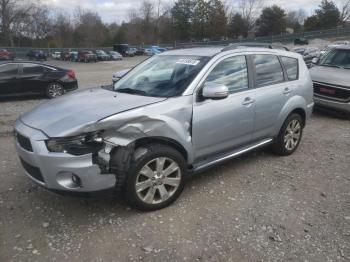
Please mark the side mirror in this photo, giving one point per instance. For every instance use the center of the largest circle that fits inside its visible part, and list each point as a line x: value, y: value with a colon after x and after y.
x: 117, y: 75
x: 315, y: 60
x: 215, y: 91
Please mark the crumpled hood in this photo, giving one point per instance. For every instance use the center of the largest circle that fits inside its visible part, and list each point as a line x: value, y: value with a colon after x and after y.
x: 330, y: 75
x: 70, y: 113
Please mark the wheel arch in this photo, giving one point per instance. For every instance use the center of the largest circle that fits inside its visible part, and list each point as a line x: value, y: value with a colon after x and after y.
x: 164, y: 141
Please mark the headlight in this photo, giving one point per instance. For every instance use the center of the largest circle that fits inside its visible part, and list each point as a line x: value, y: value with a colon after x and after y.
x: 76, y: 145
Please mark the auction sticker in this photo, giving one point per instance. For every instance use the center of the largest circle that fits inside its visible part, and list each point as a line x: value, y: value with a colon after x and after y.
x: 188, y: 62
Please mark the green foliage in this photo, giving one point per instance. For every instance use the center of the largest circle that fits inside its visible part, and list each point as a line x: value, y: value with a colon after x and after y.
x: 238, y: 26
x: 272, y: 21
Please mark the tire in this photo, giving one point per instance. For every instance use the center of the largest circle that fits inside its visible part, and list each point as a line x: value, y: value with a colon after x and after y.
x: 289, y: 136
x: 54, y: 90
x: 156, y: 190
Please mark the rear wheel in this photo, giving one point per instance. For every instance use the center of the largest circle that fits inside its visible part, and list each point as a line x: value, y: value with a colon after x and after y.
x: 289, y: 136
x: 54, y: 90
x: 156, y: 177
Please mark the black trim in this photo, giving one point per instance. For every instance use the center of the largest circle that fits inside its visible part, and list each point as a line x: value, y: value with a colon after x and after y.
x: 24, y: 142
x: 32, y: 171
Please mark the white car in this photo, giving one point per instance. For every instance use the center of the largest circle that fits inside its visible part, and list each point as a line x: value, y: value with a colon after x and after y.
x: 56, y: 55
x: 115, y: 55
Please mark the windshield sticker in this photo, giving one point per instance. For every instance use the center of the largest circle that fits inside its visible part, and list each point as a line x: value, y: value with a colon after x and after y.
x: 187, y: 62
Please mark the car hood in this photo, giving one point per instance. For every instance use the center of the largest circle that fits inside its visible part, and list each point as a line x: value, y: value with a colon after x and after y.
x: 330, y: 75
x: 72, y: 113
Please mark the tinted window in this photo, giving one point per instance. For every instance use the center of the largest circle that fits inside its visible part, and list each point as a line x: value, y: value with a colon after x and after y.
x: 231, y: 72
x: 291, y: 66
x: 268, y: 70
x: 29, y: 69
x: 9, y: 69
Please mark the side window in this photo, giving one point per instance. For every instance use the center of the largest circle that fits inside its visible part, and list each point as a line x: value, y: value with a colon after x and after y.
x: 268, y: 70
x: 291, y: 66
x: 231, y: 72
x: 9, y: 69
x: 32, y: 69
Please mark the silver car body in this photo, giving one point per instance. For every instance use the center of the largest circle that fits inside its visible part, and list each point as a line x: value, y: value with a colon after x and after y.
x: 205, y: 131
x: 328, y: 82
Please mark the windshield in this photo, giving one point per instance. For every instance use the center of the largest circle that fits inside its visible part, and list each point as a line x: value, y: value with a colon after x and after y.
x: 337, y: 58
x: 162, y: 76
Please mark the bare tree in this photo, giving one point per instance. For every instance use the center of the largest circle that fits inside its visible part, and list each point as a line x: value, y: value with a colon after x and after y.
x: 345, y: 11
x: 13, y: 16
x: 250, y: 10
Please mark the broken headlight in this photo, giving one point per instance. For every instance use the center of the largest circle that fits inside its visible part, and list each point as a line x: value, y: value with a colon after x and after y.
x: 76, y: 145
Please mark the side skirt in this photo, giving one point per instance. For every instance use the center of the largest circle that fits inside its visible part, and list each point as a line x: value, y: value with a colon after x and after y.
x: 201, y: 166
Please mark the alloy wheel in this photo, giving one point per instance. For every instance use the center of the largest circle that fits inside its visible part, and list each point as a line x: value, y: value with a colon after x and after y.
x: 158, y: 180
x: 292, y: 134
x: 55, y: 90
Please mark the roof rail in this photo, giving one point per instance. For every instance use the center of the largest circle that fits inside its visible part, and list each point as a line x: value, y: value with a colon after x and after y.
x: 253, y: 44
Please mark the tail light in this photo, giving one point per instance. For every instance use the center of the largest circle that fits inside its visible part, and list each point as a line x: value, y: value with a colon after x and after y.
x: 71, y: 74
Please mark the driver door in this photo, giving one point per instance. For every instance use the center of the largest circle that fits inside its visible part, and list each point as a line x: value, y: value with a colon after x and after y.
x: 228, y: 123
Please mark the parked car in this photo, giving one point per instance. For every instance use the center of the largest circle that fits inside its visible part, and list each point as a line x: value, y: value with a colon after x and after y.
x: 101, y: 55
x: 37, y: 55
x: 301, y: 41
x: 171, y: 116
x: 73, y: 56
x: 331, y: 78
x: 65, y: 55
x: 29, y: 78
x: 148, y: 52
x: 114, y: 55
x: 6, y: 55
x: 56, y: 55
x: 140, y: 51
x: 131, y: 51
x: 86, y: 56
x: 308, y: 54
x: 121, y: 48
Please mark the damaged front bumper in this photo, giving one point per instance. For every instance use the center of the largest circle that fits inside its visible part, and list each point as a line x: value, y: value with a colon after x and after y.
x: 58, y: 171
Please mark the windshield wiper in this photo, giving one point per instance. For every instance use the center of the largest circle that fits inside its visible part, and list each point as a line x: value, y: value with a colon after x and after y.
x: 131, y: 91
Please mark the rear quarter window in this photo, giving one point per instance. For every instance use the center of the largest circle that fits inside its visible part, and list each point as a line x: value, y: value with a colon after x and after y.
x: 291, y: 66
x: 268, y: 70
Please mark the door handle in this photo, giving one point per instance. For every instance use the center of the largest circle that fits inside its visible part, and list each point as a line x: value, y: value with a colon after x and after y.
x: 287, y: 90
x: 247, y: 101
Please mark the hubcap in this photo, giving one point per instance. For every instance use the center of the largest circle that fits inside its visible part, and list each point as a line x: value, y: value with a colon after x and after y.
x: 55, y: 90
x: 292, y: 134
x: 158, y: 180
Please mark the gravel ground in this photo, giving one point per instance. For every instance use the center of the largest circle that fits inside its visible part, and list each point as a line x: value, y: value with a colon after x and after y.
x: 257, y: 207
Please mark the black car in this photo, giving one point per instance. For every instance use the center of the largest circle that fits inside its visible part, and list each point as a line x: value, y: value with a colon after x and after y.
x: 36, y: 55
x: 28, y: 78
x: 301, y: 41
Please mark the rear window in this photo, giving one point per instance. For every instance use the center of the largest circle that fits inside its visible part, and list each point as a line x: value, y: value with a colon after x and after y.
x: 268, y: 70
x: 291, y: 66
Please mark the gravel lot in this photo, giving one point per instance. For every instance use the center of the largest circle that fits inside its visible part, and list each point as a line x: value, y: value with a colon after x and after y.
x: 258, y: 207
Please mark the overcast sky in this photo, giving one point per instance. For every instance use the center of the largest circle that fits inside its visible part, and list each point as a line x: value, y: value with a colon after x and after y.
x: 117, y: 10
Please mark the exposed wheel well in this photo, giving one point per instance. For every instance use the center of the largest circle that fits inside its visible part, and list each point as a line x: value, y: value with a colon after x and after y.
x: 300, y: 112
x: 163, y: 141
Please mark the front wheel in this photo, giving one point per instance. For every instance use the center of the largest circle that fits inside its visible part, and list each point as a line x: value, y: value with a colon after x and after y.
x: 289, y: 136
x: 156, y: 177
x: 54, y: 90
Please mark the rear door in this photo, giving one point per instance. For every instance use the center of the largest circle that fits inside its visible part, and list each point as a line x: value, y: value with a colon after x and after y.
x: 31, y: 78
x: 272, y: 92
x: 9, y: 79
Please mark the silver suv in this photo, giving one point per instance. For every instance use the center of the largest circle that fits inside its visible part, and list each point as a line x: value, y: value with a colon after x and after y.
x: 173, y: 115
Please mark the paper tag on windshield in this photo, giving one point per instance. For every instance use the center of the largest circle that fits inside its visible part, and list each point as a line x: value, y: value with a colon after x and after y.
x: 188, y: 62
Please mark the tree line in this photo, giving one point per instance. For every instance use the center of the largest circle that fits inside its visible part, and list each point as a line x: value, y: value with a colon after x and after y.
x: 29, y: 23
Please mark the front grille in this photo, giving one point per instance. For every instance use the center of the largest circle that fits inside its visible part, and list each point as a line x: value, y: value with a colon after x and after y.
x: 24, y: 142
x: 32, y: 170
x: 333, y: 92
